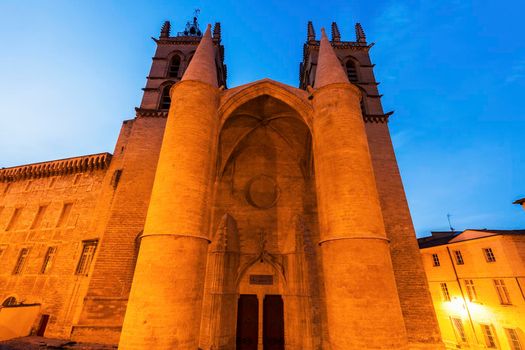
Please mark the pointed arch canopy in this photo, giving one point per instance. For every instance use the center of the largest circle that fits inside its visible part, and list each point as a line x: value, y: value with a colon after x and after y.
x: 262, y: 257
x: 297, y: 99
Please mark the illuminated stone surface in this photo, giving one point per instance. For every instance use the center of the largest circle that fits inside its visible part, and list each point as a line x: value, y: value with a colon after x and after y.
x: 286, y: 201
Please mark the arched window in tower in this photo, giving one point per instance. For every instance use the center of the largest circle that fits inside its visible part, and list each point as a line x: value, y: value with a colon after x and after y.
x: 165, y: 99
x: 173, y: 70
x: 351, y: 72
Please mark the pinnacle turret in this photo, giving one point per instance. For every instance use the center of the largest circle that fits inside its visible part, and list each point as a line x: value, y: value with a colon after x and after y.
x: 165, y: 30
x: 311, y: 32
x: 336, y: 35
x: 360, y: 36
x: 329, y: 69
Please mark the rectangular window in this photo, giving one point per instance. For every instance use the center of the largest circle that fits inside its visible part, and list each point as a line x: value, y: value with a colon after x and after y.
x: 39, y: 216
x: 28, y: 185
x: 471, y: 290
x: 6, y: 188
x: 52, y: 182
x: 88, y: 251
x: 489, y: 255
x: 20, y: 261
x: 444, y: 292
x: 514, y: 340
x: 490, y: 340
x: 460, y: 331
x: 459, y: 257
x: 435, y: 260
x: 48, y: 259
x: 503, y: 292
x: 64, y: 215
x: 14, y: 219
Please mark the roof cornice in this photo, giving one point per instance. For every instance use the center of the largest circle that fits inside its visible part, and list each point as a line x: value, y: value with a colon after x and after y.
x: 150, y: 113
x: 56, y: 167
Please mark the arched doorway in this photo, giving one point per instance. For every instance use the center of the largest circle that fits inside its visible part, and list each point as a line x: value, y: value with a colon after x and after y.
x: 248, y: 322
x: 265, y: 183
x: 260, y: 308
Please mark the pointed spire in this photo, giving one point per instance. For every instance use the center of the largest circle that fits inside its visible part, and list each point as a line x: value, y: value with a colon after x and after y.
x: 202, y: 66
x: 311, y: 32
x: 165, y: 30
x: 329, y: 69
x: 336, y: 36
x: 360, y: 36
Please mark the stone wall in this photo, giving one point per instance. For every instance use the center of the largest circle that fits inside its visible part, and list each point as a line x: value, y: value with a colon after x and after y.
x: 416, y: 303
x: 60, y: 289
x: 124, y: 211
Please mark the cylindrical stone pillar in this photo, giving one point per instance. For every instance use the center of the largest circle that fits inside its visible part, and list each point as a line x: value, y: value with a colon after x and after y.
x: 164, y: 308
x: 363, y: 307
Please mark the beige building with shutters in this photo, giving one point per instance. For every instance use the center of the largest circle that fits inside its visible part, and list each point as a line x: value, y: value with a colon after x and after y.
x: 477, y: 282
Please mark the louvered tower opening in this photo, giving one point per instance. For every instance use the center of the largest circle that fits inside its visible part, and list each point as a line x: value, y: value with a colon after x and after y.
x: 173, y: 71
x: 351, y: 71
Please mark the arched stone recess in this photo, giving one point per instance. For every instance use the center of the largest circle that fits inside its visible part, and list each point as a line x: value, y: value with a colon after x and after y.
x: 264, y: 182
x: 297, y: 99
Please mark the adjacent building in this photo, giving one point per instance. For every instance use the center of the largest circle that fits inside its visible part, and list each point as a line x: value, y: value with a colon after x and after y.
x: 477, y: 282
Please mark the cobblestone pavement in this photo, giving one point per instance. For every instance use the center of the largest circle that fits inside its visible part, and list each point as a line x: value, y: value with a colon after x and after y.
x: 39, y: 343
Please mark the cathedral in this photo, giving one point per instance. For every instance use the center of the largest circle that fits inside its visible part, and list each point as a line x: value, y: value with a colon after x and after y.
x: 261, y: 216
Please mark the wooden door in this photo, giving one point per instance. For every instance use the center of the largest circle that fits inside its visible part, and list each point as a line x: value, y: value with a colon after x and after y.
x: 273, y: 323
x: 247, y: 322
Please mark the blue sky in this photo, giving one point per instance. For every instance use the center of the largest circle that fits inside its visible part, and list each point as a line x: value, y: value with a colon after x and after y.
x: 453, y: 71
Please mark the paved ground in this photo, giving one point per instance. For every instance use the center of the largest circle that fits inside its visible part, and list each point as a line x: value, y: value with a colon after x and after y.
x: 39, y: 343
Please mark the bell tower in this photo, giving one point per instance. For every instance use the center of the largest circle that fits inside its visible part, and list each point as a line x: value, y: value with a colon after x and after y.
x: 172, y: 57
x: 354, y: 57
x: 165, y: 301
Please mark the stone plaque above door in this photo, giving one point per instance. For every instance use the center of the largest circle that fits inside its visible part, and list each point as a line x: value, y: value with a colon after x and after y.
x: 261, y: 279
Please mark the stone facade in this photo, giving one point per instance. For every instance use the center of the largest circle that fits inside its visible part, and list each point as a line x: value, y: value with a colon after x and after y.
x: 33, y: 217
x: 260, y: 216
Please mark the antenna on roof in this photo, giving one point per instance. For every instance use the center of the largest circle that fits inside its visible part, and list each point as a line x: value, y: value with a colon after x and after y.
x: 449, y: 224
